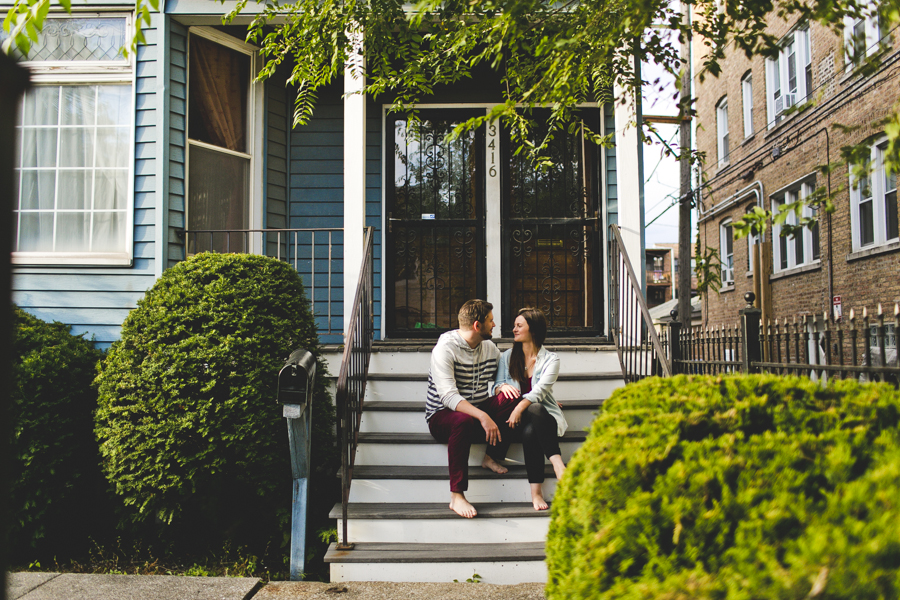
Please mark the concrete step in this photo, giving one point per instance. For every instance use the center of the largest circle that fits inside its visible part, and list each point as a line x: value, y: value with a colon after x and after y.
x: 494, y: 563
x: 420, y: 449
x: 409, y: 417
x: 406, y: 484
x: 508, y: 522
x: 406, y: 387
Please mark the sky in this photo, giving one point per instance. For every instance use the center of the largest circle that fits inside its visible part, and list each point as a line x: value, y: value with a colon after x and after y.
x: 661, y: 172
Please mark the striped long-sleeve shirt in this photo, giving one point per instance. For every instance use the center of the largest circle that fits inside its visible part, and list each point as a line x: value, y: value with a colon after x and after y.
x: 459, y: 372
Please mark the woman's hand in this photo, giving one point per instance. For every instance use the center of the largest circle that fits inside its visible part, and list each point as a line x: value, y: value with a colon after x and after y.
x: 508, y: 392
x: 516, y: 416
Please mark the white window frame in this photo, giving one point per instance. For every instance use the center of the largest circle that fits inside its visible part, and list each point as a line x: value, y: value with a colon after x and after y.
x: 868, y: 19
x: 879, y: 210
x: 255, y: 131
x: 58, y: 73
x: 747, y: 104
x: 726, y: 238
x: 779, y: 95
x: 722, y: 131
x: 796, y: 191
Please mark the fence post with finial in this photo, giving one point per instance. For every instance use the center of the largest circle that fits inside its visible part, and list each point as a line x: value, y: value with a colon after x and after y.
x: 674, y: 342
x: 751, y: 351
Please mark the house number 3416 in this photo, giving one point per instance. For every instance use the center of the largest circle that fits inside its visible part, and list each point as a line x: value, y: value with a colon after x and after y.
x: 492, y: 148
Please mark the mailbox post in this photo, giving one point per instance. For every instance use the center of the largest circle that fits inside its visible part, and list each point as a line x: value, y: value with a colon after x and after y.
x: 296, y: 382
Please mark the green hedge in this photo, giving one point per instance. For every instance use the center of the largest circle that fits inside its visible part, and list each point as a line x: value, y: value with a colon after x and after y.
x: 733, y: 487
x: 56, y: 485
x: 191, y: 434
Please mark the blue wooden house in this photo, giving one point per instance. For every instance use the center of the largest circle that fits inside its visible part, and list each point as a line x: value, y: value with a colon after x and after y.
x: 127, y: 166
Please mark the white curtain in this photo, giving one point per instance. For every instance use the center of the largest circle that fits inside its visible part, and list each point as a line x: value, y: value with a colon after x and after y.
x: 73, y: 169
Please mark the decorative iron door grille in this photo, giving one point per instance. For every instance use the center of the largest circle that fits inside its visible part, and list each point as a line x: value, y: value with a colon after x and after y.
x: 435, y: 249
x: 551, y: 233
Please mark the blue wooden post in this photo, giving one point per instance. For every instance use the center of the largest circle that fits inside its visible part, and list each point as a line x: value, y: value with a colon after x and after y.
x: 296, y: 382
x: 299, y: 433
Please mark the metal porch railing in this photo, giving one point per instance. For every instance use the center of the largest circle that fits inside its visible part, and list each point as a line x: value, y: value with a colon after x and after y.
x: 351, y: 385
x: 640, y: 352
x: 311, y: 251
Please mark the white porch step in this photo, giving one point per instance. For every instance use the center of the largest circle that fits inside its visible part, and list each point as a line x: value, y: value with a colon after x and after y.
x: 405, y: 484
x: 407, y: 387
x: 409, y: 417
x: 395, y: 358
x: 420, y: 449
x: 510, y: 522
x: 495, y: 563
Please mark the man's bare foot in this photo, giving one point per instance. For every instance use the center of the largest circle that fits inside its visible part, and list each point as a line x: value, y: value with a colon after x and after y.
x: 461, y: 506
x: 537, y: 497
x: 493, y: 465
x: 559, y: 466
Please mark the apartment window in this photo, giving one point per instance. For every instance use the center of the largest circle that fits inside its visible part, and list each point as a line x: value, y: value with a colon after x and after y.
x: 73, y: 191
x: 801, y: 248
x: 220, y: 139
x: 726, y: 252
x: 789, y: 76
x: 722, y: 130
x: 861, y: 35
x: 747, y: 97
x: 873, y: 201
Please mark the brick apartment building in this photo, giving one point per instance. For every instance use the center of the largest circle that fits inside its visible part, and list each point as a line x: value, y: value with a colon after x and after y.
x: 760, y: 151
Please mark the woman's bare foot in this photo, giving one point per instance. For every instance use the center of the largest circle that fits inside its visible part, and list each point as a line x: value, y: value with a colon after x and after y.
x: 559, y: 466
x: 537, y: 497
x: 493, y: 465
x: 461, y: 506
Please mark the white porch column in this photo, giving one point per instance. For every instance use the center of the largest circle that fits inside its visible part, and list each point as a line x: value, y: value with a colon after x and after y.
x: 354, y: 171
x: 630, y: 176
x: 494, y: 255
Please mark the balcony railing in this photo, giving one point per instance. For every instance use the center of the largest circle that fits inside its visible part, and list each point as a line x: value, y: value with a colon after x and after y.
x: 315, y: 253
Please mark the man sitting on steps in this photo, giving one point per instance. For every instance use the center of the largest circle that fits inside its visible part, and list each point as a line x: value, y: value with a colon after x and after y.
x: 459, y: 404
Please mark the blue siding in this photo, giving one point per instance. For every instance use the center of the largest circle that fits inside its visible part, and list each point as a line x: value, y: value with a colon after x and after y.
x: 612, y: 193
x: 373, y: 199
x: 177, y: 140
x: 95, y: 300
x: 316, y: 199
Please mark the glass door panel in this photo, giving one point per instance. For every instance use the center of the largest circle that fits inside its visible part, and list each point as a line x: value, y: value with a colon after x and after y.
x: 551, y: 232
x: 435, y: 254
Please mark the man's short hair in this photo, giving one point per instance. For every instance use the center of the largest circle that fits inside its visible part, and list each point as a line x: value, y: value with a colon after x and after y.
x: 474, y: 310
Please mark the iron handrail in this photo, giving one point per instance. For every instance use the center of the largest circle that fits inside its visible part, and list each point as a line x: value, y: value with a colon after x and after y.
x: 351, y: 384
x: 641, y: 354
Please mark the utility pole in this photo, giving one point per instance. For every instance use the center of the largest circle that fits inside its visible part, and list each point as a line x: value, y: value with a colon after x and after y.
x: 686, y: 197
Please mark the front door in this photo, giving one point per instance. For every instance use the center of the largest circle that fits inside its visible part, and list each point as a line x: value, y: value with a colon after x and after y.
x: 435, y: 206
x: 551, y: 234
x: 545, y: 225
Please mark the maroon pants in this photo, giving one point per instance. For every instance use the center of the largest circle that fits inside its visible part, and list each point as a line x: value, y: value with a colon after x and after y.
x: 459, y: 431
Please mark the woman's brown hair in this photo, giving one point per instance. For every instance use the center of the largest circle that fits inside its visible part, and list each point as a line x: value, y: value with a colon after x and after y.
x: 537, y: 326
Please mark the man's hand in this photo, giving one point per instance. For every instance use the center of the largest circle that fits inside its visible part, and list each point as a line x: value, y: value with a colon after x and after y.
x: 492, y: 432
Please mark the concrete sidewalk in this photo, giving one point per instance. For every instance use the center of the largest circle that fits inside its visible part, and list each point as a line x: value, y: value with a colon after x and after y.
x: 69, y: 586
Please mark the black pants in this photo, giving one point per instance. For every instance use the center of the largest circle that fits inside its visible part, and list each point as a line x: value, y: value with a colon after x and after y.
x: 537, y: 433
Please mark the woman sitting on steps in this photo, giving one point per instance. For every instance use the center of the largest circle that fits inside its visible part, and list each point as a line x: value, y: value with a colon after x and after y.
x: 525, y: 377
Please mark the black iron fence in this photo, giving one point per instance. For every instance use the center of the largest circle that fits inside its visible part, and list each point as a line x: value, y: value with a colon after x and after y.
x: 862, y: 347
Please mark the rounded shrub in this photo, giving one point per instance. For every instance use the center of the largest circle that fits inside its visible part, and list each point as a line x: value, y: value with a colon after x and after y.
x: 190, y: 430
x: 56, y: 483
x: 733, y: 487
